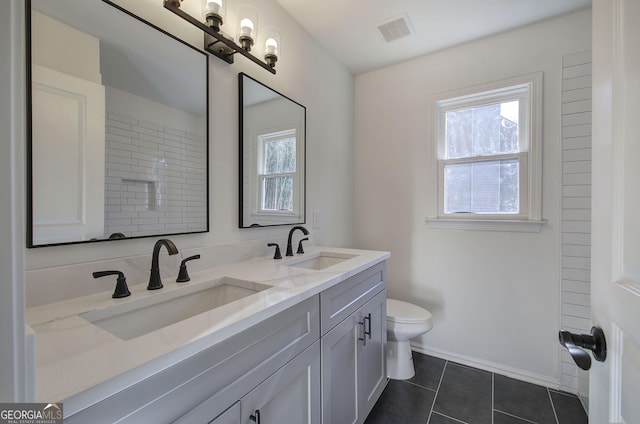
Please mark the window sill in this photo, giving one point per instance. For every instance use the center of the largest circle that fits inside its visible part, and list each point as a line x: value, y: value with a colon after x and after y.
x: 517, y: 226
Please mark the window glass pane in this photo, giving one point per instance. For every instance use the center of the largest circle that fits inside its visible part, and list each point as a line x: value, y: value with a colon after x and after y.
x: 482, y: 187
x: 483, y: 130
x: 277, y: 193
x: 280, y: 156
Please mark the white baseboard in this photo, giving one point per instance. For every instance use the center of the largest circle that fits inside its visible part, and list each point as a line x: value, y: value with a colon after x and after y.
x: 518, y: 374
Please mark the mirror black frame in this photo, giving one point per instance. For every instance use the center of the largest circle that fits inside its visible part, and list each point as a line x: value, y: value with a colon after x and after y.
x: 303, y: 214
x: 29, y: 134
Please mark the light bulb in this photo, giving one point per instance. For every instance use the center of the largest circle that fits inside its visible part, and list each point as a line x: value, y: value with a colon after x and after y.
x: 213, y: 13
x: 246, y: 27
x: 214, y: 6
x: 271, y: 46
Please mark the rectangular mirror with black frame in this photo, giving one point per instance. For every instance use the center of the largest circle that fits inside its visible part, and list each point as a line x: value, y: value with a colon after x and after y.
x: 118, y: 129
x: 272, y: 156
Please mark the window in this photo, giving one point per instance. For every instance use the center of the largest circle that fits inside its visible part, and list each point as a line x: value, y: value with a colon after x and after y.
x: 277, y: 171
x: 488, y: 152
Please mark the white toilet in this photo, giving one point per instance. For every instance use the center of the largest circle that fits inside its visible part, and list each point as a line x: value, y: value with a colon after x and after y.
x: 405, y: 321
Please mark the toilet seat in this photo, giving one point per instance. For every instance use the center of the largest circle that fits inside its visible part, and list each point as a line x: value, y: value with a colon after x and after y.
x: 406, y: 313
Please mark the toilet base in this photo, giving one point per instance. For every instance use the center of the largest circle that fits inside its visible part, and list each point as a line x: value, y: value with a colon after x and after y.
x: 399, y: 360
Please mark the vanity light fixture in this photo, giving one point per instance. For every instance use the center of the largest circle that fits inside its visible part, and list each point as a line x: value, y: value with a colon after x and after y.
x: 223, y: 46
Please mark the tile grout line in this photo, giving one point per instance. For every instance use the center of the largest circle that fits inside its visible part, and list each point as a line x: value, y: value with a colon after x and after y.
x: 448, y: 417
x: 493, y: 395
x: 553, y: 407
x: 515, y: 416
x: 433, y: 403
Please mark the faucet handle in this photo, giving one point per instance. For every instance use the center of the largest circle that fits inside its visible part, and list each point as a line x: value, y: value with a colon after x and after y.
x: 183, y: 275
x: 300, y: 249
x: 277, y: 254
x: 121, y: 283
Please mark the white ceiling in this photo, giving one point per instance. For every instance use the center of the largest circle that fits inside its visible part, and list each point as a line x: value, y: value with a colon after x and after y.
x: 347, y: 27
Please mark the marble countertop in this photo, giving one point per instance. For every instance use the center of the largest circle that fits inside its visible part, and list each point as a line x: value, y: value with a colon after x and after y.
x: 80, y: 364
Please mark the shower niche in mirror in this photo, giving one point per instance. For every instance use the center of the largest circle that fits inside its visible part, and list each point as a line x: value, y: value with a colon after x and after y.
x: 118, y: 134
x: 272, y: 156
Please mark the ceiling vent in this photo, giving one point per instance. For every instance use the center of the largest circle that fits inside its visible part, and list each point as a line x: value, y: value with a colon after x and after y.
x: 396, y: 27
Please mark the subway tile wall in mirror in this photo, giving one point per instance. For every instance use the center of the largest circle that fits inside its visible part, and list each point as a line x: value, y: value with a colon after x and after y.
x: 119, y: 134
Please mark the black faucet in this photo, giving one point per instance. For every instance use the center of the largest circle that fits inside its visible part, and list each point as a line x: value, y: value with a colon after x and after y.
x: 289, y: 248
x: 154, y: 279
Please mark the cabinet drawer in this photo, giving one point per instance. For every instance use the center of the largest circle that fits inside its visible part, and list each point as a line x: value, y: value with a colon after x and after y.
x: 343, y: 299
x: 219, y: 375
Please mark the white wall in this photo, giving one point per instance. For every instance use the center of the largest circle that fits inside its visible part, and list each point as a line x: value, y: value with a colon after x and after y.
x: 576, y: 210
x: 16, y: 378
x: 305, y: 73
x: 494, y: 296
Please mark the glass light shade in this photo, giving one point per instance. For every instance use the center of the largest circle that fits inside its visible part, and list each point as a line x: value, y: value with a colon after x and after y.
x: 247, y: 26
x: 214, y: 12
x: 272, y: 46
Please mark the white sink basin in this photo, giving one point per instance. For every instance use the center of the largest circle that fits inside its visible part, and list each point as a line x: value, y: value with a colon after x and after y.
x: 137, y: 317
x: 319, y: 260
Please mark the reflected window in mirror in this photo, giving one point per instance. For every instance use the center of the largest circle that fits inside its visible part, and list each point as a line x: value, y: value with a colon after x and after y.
x: 118, y: 144
x: 277, y: 171
x: 272, y: 157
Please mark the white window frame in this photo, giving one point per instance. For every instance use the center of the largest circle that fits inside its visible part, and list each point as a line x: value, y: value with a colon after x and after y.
x: 528, y: 90
x: 261, y: 140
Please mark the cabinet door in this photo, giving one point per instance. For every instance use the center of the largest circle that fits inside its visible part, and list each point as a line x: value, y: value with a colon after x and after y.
x: 340, y: 372
x: 372, y: 366
x: 291, y: 395
x: 230, y: 416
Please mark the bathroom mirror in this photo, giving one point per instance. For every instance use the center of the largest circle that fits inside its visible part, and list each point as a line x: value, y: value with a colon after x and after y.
x: 118, y: 131
x: 272, y: 156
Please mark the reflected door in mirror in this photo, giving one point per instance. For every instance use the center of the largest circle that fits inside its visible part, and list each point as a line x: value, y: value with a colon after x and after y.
x: 118, y: 132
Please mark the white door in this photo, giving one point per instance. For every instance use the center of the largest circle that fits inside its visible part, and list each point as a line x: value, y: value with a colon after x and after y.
x: 68, y: 152
x: 615, y: 383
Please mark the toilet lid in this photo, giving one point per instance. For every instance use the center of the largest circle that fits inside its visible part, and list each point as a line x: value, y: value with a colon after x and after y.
x: 399, y: 311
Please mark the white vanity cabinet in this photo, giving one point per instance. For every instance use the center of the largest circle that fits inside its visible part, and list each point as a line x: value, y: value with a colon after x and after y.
x: 291, y: 395
x: 321, y: 360
x: 353, y: 344
x: 204, y: 386
x: 230, y: 416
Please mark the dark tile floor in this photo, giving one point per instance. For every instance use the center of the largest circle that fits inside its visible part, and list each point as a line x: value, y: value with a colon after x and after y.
x: 444, y: 392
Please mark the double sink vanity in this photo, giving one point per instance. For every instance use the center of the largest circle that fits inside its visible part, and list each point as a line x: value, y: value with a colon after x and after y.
x: 252, y: 339
x: 299, y: 340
